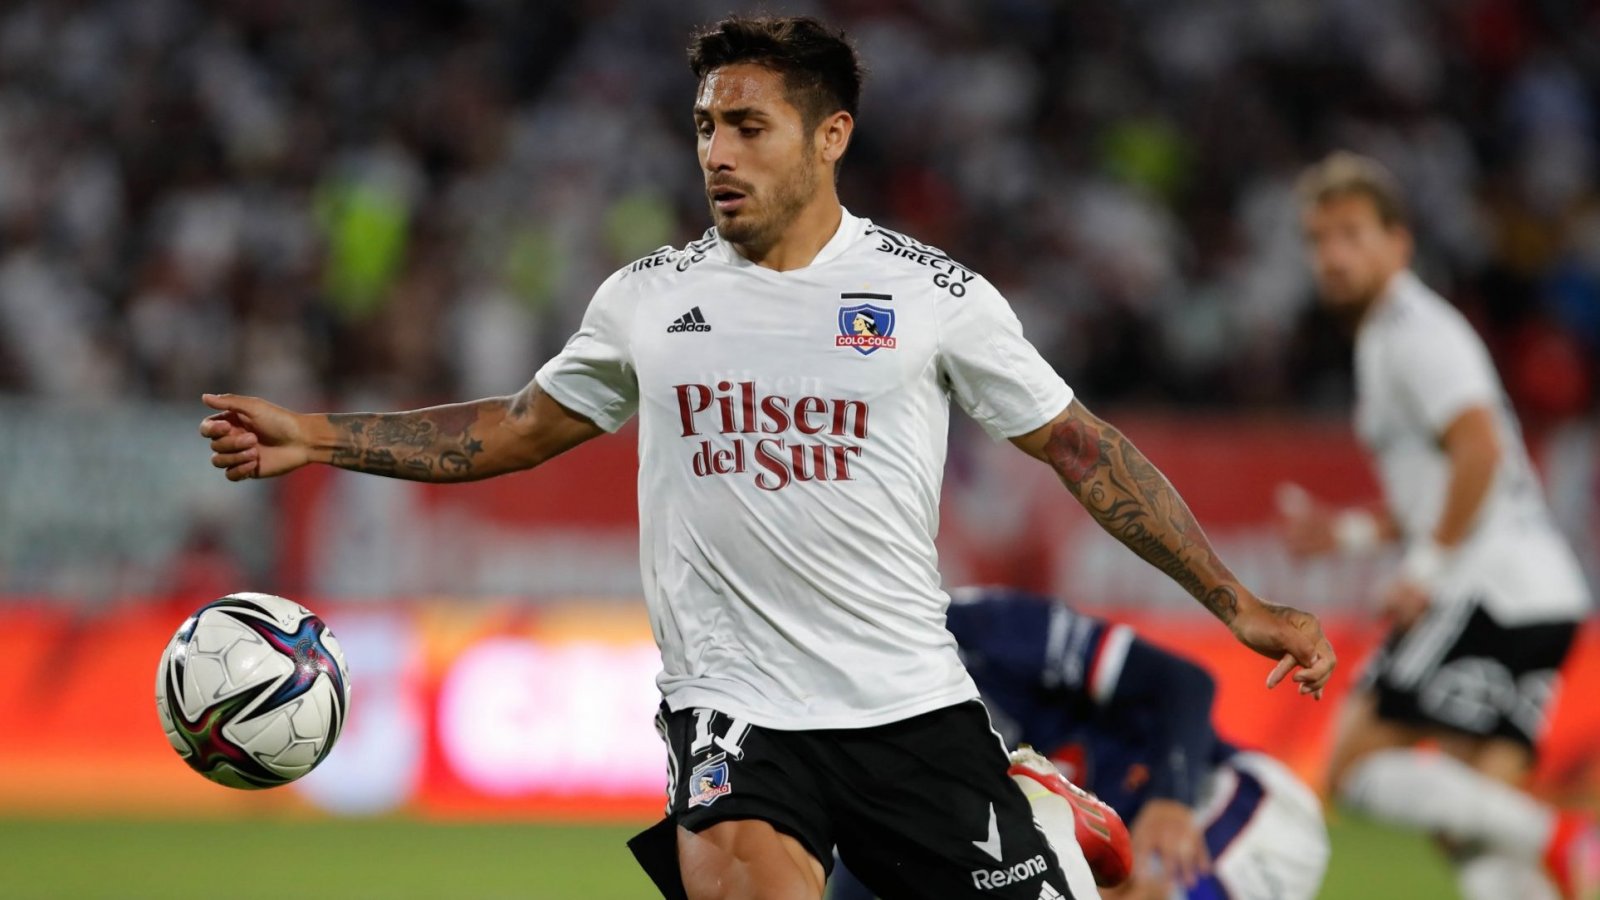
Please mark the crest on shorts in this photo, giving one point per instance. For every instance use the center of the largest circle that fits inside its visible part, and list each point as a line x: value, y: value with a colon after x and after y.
x: 865, y: 326
x: 708, y: 781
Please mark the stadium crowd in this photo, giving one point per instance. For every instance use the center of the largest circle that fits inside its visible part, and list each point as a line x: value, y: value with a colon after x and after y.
x: 414, y: 200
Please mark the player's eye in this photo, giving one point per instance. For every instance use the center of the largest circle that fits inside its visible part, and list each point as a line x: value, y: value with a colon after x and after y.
x: 748, y: 131
x: 704, y: 129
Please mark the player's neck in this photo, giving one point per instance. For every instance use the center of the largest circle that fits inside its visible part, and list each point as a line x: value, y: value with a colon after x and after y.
x: 1378, y: 300
x: 805, y: 237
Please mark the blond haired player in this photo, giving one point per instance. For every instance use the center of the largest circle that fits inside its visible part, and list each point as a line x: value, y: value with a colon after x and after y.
x: 1487, y: 599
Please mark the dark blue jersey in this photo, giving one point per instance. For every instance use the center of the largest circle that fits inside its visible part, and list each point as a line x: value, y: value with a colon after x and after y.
x: 1123, y: 718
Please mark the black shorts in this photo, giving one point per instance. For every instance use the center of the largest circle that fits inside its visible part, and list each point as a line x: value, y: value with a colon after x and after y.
x: 918, y: 808
x: 1458, y: 669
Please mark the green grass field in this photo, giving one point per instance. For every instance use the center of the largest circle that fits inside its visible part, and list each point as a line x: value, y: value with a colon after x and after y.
x: 394, y: 859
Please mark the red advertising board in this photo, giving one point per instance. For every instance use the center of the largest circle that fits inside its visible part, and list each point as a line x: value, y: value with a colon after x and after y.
x: 467, y: 709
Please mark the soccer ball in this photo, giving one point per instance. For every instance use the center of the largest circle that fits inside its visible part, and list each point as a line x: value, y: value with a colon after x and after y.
x: 252, y: 691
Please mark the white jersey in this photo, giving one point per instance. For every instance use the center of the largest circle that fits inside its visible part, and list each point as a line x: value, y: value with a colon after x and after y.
x: 792, y: 436
x: 1419, y: 365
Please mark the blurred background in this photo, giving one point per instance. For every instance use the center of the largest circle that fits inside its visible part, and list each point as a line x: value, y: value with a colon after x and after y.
x: 380, y: 205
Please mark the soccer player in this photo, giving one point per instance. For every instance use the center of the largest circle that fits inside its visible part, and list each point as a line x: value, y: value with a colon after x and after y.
x: 789, y: 473
x: 1488, y: 595
x: 1132, y: 723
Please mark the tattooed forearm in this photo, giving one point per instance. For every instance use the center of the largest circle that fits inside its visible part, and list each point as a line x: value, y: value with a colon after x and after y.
x: 1137, y: 505
x: 443, y: 443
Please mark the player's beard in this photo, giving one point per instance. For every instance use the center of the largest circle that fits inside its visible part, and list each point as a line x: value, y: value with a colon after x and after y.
x: 1349, y: 301
x: 774, y: 212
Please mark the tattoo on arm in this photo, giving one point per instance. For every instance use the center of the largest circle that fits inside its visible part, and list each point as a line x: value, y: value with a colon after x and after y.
x: 1138, y: 506
x: 437, y: 444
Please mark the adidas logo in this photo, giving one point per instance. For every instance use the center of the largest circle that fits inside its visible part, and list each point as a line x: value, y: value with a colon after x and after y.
x: 1050, y: 893
x: 689, y: 321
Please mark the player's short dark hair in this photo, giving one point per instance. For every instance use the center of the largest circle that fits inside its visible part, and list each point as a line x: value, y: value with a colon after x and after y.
x: 820, y: 69
x: 1346, y: 174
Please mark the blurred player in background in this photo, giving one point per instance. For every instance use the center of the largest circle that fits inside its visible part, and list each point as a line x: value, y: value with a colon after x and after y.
x: 1488, y: 596
x: 790, y: 463
x: 1132, y: 723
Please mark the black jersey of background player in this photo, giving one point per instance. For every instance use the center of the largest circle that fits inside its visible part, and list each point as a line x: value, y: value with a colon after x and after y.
x: 1124, y: 719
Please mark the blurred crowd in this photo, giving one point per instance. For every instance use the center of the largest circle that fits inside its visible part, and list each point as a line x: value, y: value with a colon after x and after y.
x: 413, y: 201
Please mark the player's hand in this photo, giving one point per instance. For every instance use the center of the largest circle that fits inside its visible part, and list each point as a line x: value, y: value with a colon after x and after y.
x: 1138, y: 887
x: 251, y: 438
x: 1165, y: 832
x: 1307, y: 524
x: 1404, y: 602
x: 1293, y: 637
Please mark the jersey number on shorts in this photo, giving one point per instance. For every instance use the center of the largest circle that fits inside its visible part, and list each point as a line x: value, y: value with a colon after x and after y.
x: 729, y: 741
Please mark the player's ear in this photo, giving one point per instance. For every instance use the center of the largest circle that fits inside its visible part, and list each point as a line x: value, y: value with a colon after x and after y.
x: 833, y: 136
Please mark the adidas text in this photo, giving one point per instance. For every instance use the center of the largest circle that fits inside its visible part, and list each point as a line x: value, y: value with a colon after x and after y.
x: 693, y: 320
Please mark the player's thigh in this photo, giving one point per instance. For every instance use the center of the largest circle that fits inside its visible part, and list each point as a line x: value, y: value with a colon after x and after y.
x: 747, y: 859
x: 925, y: 809
x: 1268, y: 840
x: 1360, y: 731
x: 1504, y: 759
x: 747, y: 800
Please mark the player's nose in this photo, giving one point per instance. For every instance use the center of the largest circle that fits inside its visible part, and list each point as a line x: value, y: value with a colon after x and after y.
x: 719, y: 156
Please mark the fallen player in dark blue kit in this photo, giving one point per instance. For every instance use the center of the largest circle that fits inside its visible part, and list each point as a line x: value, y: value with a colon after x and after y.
x: 1131, y: 723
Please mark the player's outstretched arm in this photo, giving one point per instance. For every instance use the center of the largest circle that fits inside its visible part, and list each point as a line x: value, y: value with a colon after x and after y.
x: 252, y: 438
x: 1312, y: 528
x: 1136, y: 504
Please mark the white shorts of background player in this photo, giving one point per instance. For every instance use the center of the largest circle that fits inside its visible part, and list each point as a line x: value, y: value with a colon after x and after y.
x: 1273, y: 840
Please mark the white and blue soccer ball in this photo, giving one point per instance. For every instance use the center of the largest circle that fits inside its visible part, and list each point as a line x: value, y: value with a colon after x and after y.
x: 252, y: 691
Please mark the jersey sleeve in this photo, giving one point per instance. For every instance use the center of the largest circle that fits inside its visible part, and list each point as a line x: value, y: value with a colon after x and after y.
x: 1445, y: 371
x: 1038, y: 641
x: 991, y: 370
x: 593, y: 375
x: 1175, y: 697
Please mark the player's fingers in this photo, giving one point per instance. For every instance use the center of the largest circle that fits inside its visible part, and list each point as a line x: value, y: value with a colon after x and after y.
x: 1318, y: 678
x: 1322, y: 663
x: 1184, y: 867
x: 1281, y: 669
x: 1321, y: 669
x: 217, y: 424
x: 234, y: 442
x: 1166, y: 863
x: 231, y: 402
x: 1183, y: 863
x: 229, y: 460
x: 1195, y: 862
x: 235, y: 409
x: 243, y: 471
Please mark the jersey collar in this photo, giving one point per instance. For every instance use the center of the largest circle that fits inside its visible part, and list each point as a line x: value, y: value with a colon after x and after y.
x: 1397, y: 293
x: 850, y: 229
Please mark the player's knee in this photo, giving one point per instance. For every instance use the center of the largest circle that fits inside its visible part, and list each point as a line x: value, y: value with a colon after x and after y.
x: 1354, y: 752
x: 1505, y: 760
x: 1354, y: 781
x: 1339, y: 775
